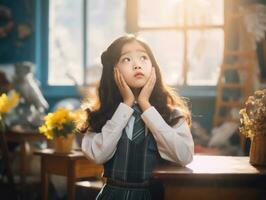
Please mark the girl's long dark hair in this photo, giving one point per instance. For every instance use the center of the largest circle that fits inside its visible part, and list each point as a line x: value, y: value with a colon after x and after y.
x: 163, y: 98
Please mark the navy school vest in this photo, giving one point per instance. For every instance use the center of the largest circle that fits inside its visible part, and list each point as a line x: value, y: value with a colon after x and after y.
x: 133, y: 162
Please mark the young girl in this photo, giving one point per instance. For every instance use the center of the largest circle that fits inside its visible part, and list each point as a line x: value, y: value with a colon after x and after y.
x: 136, y: 121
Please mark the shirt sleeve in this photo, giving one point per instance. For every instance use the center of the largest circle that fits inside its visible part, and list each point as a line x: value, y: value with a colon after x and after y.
x: 175, y: 143
x: 100, y: 147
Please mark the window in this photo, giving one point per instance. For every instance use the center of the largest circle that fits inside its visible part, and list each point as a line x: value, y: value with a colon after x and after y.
x: 65, y: 42
x: 186, y: 37
x: 106, y: 22
x: 79, y: 31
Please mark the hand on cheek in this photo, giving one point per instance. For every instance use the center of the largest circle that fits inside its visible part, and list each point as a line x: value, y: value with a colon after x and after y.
x: 145, y: 93
x: 125, y: 91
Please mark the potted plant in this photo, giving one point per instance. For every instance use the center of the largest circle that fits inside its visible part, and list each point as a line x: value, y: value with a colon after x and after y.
x: 60, y: 126
x: 253, y: 126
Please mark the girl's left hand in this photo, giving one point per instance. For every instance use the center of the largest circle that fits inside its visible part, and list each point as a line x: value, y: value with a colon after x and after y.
x: 145, y: 93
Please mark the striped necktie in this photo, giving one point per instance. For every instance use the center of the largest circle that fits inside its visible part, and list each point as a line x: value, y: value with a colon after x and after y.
x: 139, y: 127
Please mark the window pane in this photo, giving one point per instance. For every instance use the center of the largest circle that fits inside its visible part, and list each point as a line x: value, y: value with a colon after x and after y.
x: 167, y: 47
x: 65, y: 42
x: 205, y: 54
x: 106, y: 22
x: 160, y: 13
x: 204, y: 12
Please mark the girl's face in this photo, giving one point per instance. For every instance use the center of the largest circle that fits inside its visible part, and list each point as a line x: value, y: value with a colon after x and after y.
x: 134, y: 64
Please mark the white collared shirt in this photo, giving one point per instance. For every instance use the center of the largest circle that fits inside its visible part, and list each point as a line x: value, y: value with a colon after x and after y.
x: 175, y: 143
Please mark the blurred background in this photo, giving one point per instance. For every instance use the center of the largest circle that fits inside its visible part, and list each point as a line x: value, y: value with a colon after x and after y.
x: 212, y: 52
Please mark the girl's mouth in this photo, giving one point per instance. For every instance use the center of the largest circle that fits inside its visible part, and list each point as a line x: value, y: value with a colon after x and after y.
x: 139, y: 75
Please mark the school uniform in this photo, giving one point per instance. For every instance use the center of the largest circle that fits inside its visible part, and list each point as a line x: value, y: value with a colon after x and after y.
x: 130, y: 146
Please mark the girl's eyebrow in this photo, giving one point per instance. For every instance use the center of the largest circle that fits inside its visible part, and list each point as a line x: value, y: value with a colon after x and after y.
x: 140, y: 50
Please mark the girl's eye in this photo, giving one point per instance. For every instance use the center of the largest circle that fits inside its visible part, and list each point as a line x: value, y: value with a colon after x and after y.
x: 126, y: 59
x: 143, y: 58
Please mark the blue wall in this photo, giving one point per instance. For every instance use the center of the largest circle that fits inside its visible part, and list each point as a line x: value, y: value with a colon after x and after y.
x: 13, y: 49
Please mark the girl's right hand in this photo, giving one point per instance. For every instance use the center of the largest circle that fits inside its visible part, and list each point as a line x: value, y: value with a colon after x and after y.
x: 125, y: 91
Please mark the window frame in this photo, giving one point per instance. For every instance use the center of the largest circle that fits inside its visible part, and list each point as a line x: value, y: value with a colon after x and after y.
x: 42, y: 50
x: 133, y: 27
x: 42, y: 53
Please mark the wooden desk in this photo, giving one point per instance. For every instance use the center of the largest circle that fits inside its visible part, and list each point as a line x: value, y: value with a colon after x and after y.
x: 213, y: 177
x: 23, y: 137
x: 74, y: 166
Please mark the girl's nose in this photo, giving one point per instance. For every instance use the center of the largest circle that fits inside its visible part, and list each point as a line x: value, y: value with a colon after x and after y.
x: 136, y: 67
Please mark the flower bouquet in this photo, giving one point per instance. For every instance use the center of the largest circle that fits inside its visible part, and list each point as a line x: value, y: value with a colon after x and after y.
x: 60, y: 126
x: 253, y: 126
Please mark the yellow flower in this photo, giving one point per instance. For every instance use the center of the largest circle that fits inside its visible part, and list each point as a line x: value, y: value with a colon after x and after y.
x: 4, y: 103
x: 61, y: 122
x: 46, y: 131
x: 8, y: 102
